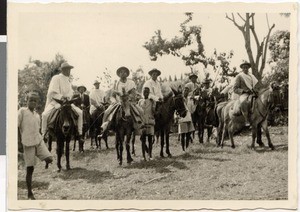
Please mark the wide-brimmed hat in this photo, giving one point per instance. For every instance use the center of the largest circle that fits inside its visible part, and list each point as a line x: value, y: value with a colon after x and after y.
x: 122, y: 68
x: 154, y: 70
x: 193, y: 75
x: 96, y: 82
x: 81, y: 86
x: 65, y: 66
x: 245, y: 64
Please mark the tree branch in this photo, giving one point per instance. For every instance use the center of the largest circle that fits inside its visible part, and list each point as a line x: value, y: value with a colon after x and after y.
x: 265, y: 51
x: 234, y: 22
x: 241, y: 17
x: 252, y: 27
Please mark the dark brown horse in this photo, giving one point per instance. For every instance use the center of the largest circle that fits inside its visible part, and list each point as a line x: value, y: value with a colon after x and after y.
x: 63, y: 129
x: 232, y: 123
x: 96, y: 122
x: 164, y: 118
x: 204, y: 115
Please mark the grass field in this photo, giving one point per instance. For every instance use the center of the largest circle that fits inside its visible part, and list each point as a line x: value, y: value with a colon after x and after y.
x: 206, y: 172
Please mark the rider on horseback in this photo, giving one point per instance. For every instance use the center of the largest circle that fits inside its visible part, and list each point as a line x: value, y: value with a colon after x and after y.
x: 124, y: 94
x: 244, y: 87
x: 83, y: 100
x: 96, y: 98
x: 60, y: 88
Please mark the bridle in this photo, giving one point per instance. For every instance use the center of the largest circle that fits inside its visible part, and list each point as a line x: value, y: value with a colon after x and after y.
x: 180, y: 109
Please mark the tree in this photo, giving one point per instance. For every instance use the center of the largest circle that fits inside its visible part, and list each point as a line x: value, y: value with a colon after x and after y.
x: 279, y: 57
x: 36, y: 76
x: 248, y: 31
x: 139, y: 78
x: 190, y: 36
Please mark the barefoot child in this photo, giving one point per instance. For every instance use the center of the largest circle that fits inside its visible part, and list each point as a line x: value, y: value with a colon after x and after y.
x: 148, y: 106
x: 33, y: 144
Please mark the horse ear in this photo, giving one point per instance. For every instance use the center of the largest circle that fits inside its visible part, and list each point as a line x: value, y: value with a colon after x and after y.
x: 174, y: 91
x: 58, y: 100
x: 180, y: 89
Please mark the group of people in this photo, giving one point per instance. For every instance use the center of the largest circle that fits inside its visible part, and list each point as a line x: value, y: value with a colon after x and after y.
x: 60, y: 88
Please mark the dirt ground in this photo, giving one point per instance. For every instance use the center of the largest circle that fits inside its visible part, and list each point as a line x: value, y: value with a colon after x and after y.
x: 206, y: 172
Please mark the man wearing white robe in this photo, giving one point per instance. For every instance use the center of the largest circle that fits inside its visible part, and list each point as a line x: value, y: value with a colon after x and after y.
x: 60, y: 88
x: 96, y: 97
x: 154, y: 86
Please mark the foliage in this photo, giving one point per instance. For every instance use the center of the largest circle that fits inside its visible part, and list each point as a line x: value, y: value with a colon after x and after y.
x: 190, y: 36
x: 279, y: 52
x: 139, y: 78
x: 36, y: 75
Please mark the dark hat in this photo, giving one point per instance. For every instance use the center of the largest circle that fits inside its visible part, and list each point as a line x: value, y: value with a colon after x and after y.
x: 245, y: 64
x: 122, y: 68
x: 66, y: 66
x: 154, y: 70
x: 96, y: 82
x: 193, y: 75
x: 81, y: 86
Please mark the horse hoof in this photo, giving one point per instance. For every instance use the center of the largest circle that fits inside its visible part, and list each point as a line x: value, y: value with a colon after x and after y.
x: 233, y: 147
x: 46, y: 166
x: 253, y: 147
x: 59, y: 170
x: 272, y: 147
x: 120, y: 163
x: 68, y: 168
x: 31, y: 196
x: 169, y: 155
x: 162, y: 156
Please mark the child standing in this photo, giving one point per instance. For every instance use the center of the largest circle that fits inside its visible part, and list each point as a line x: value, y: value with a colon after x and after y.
x: 185, y: 124
x: 32, y: 141
x: 148, y: 106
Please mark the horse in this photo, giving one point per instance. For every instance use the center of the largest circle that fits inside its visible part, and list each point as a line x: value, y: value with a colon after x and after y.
x: 164, y: 116
x: 63, y: 129
x: 96, y: 122
x: 86, y: 118
x: 204, y: 115
x: 261, y: 107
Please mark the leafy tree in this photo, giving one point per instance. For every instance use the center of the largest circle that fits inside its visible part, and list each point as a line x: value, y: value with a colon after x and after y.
x: 190, y: 36
x: 139, y: 78
x: 279, y: 57
x: 36, y: 75
x: 247, y: 28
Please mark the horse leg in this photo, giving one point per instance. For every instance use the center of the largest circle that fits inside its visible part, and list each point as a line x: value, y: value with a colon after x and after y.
x: 254, y: 134
x: 81, y: 142
x: 223, y: 134
x: 209, y: 132
x: 117, y: 145
x: 49, y: 143
x: 168, y: 144
x: 265, y: 127
x: 128, y: 138
x: 162, y: 143
x: 68, y: 154
x: 200, y: 131
x: 59, y: 151
x: 230, y: 133
x: 74, y: 147
x: 258, y: 139
x: 219, y: 133
x: 105, y: 135
x: 132, y: 143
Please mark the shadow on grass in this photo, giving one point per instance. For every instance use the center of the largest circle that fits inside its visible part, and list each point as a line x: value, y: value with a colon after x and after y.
x: 159, y: 165
x: 278, y: 148
x: 35, y: 184
x: 91, y: 176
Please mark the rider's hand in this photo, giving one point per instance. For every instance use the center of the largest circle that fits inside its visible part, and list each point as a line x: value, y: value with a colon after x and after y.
x: 64, y: 99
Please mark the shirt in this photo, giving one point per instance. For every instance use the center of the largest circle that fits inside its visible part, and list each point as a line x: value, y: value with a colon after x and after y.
x: 96, y: 99
x: 155, y: 89
x: 128, y: 85
x: 29, y: 125
x: 192, y: 86
x: 60, y: 86
x: 148, y: 107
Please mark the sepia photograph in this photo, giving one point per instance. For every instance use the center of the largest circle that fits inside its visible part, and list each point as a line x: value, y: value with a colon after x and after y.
x: 132, y: 101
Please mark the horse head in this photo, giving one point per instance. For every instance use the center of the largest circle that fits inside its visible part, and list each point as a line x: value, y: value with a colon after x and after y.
x: 65, y: 121
x: 179, y: 104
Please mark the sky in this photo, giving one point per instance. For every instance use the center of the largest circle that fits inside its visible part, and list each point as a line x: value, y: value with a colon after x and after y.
x: 94, y: 41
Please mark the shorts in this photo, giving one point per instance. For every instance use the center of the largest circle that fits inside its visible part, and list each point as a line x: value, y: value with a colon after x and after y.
x: 31, y: 152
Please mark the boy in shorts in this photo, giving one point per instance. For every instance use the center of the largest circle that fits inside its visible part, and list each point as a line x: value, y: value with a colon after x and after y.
x: 32, y: 141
